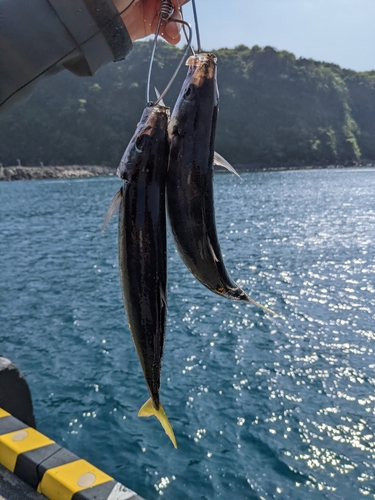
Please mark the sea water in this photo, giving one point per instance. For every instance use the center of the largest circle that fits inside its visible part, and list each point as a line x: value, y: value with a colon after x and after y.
x: 262, y: 407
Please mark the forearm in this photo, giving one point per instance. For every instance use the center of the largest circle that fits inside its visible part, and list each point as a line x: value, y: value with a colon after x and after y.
x: 40, y: 37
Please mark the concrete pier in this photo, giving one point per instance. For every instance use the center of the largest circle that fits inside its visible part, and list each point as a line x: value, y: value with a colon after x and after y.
x: 30, y: 462
x: 13, y: 488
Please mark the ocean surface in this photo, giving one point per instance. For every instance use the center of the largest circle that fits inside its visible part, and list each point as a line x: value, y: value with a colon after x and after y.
x: 262, y: 407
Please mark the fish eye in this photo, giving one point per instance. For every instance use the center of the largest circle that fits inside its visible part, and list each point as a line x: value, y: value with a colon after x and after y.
x: 189, y: 92
x: 141, y: 143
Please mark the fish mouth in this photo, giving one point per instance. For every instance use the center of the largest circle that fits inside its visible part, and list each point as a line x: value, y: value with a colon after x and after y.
x: 153, y: 117
x: 200, y: 59
x: 202, y: 72
x: 202, y: 67
x: 150, y: 116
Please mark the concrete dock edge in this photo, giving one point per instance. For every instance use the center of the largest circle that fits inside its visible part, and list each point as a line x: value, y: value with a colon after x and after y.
x: 35, y: 461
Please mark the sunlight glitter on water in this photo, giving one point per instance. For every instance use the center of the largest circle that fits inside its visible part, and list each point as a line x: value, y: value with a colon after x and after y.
x: 262, y: 407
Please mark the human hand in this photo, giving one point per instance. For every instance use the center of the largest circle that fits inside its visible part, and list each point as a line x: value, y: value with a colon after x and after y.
x: 142, y: 17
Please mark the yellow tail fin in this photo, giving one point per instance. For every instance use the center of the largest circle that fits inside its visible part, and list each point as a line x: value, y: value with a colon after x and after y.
x: 148, y: 410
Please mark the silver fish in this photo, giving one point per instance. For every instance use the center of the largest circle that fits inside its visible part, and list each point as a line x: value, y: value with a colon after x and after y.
x: 190, y: 197
x: 142, y: 247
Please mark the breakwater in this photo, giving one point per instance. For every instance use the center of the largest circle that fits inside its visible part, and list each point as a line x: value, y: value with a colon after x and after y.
x: 24, y: 173
x: 20, y: 173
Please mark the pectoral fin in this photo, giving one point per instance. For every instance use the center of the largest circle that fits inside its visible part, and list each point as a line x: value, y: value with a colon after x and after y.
x: 113, y: 207
x: 212, y: 250
x: 163, y: 298
x: 148, y: 410
x: 222, y: 162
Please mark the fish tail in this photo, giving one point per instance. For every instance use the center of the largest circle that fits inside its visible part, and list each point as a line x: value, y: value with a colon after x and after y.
x: 266, y: 309
x: 148, y: 409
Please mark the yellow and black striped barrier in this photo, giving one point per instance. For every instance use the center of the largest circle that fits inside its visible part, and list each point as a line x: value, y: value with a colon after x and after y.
x: 52, y: 470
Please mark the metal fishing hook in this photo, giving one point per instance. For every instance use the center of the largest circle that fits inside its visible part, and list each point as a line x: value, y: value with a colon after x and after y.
x: 188, y: 46
x: 187, y: 38
x: 166, y: 10
x: 196, y: 30
x: 199, y: 49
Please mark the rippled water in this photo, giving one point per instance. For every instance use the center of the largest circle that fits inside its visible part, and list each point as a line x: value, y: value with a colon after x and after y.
x: 262, y: 407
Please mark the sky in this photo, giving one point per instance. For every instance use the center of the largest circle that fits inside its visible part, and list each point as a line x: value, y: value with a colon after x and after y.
x: 335, y: 31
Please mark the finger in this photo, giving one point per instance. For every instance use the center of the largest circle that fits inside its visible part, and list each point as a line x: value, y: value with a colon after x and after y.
x: 171, y: 36
x: 180, y: 3
x: 171, y: 30
x: 172, y: 40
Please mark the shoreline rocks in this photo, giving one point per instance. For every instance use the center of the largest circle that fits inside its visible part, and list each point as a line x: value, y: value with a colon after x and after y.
x: 17, y: 173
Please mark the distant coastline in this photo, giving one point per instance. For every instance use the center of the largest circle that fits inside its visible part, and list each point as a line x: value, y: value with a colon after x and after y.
x: 261, y: 167
x: 18, y: 173
x: 275, y: 110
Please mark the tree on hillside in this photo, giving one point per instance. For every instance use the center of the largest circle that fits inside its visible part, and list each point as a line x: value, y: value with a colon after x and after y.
x: 274, y: 109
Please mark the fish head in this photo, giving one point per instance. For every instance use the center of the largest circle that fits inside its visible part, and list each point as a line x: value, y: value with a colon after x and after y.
x: 202, y: 67
x: 200, y: 84
x: 152, y: 125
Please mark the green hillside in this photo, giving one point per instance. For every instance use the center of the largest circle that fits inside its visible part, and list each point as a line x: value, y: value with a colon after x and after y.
x: 274, y: 109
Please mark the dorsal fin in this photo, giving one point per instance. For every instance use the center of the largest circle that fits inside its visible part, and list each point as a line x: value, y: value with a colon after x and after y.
x: 161, y: 102
x: 222, y: 162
